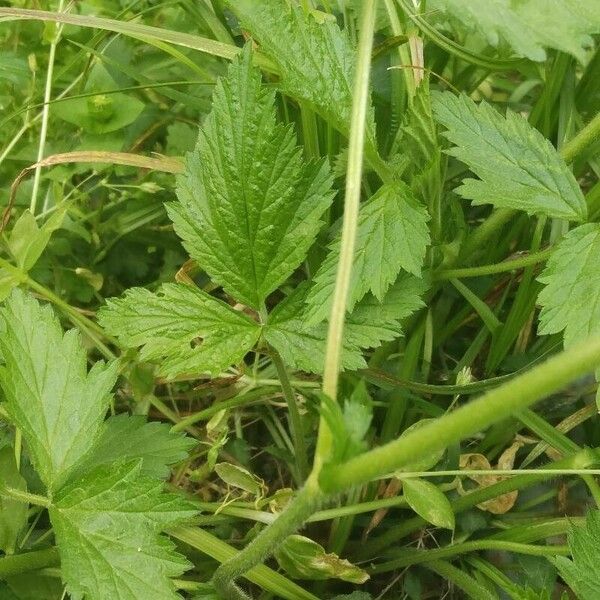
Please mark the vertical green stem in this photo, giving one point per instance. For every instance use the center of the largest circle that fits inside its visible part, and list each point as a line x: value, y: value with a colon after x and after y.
x: 295, y: 419
x: 335, y: 333
x: 310, y: 496
x: 587, y: 136
x: 45, y: 112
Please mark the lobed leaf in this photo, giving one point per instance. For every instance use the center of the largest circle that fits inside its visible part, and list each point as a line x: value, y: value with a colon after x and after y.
x: 571, y: 299
x: 107, y: 528
x: 392, y: 235
x: 50, y: 395
x: 517, y: 166
x: 250, y: 206
x: 181, y: 327
x: 581, y: 571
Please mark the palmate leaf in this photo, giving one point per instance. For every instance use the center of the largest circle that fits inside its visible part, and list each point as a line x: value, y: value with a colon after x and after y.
x: 571, y: 299
x: 581, y: 572
x: 107, y: 527
x: 392, y: 235
x: 528, y: 26
x: 181, y: 327
x: 517, y: 166
x: 315, y: 58
x: 50, y: 395
x: 250, y: 207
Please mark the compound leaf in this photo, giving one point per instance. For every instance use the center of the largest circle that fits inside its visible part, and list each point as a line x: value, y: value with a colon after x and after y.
x: 528, y: 26
x: 392, y: 235
x: 250, y: 206
x: 571, y: 299
x: 50, y: 395
x: 517, y: 166
x: 107, y: 528
x: 125, y: 437
x: 181, y: 327
x: 581, y: 572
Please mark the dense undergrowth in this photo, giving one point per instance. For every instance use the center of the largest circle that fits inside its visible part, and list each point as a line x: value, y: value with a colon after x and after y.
x: 300, y: 299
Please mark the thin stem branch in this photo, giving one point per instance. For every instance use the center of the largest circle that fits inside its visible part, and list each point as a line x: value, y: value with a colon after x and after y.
x: 501, y: 267
x: 296, y: 428
x: 45, y: 112
x: 414, y: 557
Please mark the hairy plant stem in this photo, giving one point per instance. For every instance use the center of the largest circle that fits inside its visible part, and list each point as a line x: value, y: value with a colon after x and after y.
x: 304, y: 504
x: 585, y: 138
x: 25, y: 497
x: 295, y: 419
x: 479, y: 414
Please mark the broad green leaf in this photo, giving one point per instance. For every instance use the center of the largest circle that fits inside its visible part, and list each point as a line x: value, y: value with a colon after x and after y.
x: 8, y: 282
x: 372, y: 322
x: 302, y: 558
x: 107, y: 528
x: 315, y: 58
x: 181, y: 327
x: 517, y: 166
x: 571, y: 299
x: 250, y: 206
x: 13, y: 514
x: 581, y: 571
x: 125, y: 438
x: 32, y: 586
x: 100, y: 114
x: 27, y: 240
x: 392, y: 235
x: 428, y: 502
x: 50, y: 395
x: 529, y: 26
x: 300, y: 344
x: 240, y: 478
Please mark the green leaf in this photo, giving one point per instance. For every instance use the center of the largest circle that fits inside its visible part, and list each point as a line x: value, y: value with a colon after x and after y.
x: 517, y: 166
x: 27, y: 240
x: 314, y: 57
x: 581, y: 571
x: 126, y: 438
x: 250, y: 206
x: 50, y: 395
x: 571, y: 299
x: 8, y: 282
x: 372, y: 322
x: 302, y: 558
x: 33, y: 586
x: 107, y: 528
x: 528, y: 26
x: 240, y: 478
x: 101, y: 113
x: 428, y: 502
x: 13, y: 514
x: 392, y: 235
x: 300, y: 344
x: 181, y: 327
